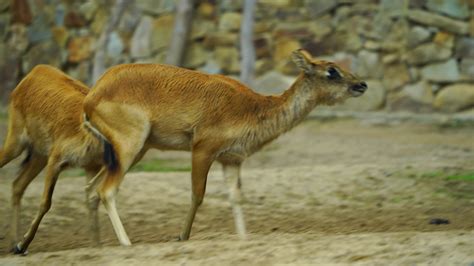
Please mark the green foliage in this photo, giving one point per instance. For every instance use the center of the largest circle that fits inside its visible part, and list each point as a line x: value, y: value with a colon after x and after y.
x: 157, y: 165
x: 456, y: 124
x: 153, y: 165
x: 462, y: 176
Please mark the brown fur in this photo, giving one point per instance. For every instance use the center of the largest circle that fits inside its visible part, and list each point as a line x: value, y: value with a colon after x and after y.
x: 215, y: 117
x: 45, y: 118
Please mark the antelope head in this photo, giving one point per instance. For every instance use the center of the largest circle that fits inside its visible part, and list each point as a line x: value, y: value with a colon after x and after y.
x: 331, y: 83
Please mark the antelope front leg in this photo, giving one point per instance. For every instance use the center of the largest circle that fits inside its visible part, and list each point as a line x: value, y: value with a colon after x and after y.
x: 52, y: 173
x: 232, y: 176
x: 201, y: 162
x: 28, y: 172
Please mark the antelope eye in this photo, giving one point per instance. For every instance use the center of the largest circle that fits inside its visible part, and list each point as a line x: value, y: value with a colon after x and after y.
x: 332, y: 73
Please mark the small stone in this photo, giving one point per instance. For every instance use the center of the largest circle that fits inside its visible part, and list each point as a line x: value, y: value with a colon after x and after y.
x: 39, y: 30
x: 261, y: 27
x: 427, y: 53
x: 444, y: 39
x: 195, y: 56
x: 211, y: 67
x: 421, y: 92
x: 263, y: 46
x: 162, y: 32
x: 283, y: 49
x: 9, y: 72
x: 4, y: 4
x: 276, y: 3
x: 140, y: 45
x: 21, y: 12
x: 390, y: 59
x: 59, y: 15
x: 88, y: 9
x: 417, y: 4
x: 372, y: 99
x: 396, y: 76
x: 159, y: 58
x: 18, y: 41
x: 329, y: 45
x: 414, y: 73
x: 417, y: 35
x: 320, y: 7
x: 99, y: 21
x: 155, y: 7
x: 467, y: 68
x: 455, y: 97
x: 214, y: 39
x: 81, y: 72
x: 447, y: 71
x: 396, y: 39
x: 389, y: 5
x: 289, y: 14
x: 79, y: 49
x: 453, y: 8
x: 372, y: 45
x: 4, y: 24
x: 230, y: 5
x: 206, y: 10
x: 292, y: 30
x: 379, y: 28
x: 320, y: 29
x: 342, y: 13
x: 471, y: 25
x: 115, y: 45
x: 273, y: 83
x: 60, y: 35
x: 368, y: 65
x: 128, y: 23
x: 228, y: 59
x: 445, y: 23
x: 465, y: 47
x: 200, y: 28
x: 42, y: 53
x: 74, y: 20
x: 263, y: 66
x: 353, y: 43
x: 230, y: 22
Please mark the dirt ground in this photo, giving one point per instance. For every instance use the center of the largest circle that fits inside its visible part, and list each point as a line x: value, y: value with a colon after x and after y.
x: 337, y: 192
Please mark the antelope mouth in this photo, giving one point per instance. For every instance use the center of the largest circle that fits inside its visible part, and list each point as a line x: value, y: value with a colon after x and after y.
x: 358, y: 89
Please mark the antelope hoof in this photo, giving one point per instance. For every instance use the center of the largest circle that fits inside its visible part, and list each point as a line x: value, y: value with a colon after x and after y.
x: 182, y: 238
x: 19, y: 251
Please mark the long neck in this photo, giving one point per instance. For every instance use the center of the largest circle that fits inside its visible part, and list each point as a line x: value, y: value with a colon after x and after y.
x: 289, y: 109
x: 296, y: 103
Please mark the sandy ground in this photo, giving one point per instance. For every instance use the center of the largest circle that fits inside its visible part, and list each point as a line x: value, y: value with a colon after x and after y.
x: 343, y: 192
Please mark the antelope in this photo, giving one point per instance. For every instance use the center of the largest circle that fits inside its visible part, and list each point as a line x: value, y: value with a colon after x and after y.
x: 137, y: 106
x: 45, y: 120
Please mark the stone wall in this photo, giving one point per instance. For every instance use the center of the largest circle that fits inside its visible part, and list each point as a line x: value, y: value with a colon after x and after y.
x: 417, y: 55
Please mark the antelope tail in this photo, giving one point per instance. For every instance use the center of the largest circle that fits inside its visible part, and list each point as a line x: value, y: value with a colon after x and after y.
x: 110, y: 159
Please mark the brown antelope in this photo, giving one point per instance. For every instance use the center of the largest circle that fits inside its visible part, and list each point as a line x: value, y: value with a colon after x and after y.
x: 45, y: 119
x: 136, y: 106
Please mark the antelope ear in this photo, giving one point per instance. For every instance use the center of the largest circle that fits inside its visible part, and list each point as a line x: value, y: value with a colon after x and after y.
x: 303, y: 60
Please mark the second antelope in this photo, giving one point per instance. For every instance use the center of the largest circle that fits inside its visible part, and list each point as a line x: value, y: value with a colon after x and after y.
x: 134, y: 106
x: 45, y: 119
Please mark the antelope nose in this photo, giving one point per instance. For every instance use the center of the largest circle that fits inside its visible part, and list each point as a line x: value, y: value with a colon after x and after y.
x: 360, y: 87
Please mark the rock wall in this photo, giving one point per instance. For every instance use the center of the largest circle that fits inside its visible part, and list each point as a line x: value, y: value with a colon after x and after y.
x: 417, y: 55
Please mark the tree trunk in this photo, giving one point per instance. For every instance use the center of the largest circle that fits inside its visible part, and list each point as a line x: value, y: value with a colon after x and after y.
x: 182, y: 28
x: 247, y: 49
x: 101, y: 47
